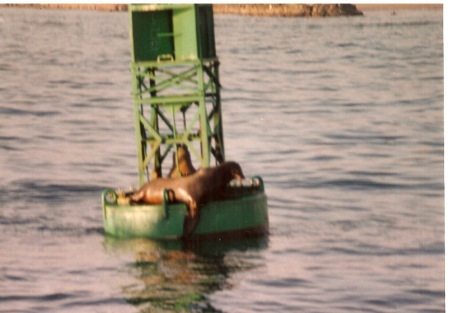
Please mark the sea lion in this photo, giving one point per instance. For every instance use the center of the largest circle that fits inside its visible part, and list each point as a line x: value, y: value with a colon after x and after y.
x: 185, y: 166
x: 193, y: 190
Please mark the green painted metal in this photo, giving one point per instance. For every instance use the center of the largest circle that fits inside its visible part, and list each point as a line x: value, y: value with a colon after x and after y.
x: 245, y: 210
x: 148, y: 30
x: 183, y: 31
x: 176, y: 85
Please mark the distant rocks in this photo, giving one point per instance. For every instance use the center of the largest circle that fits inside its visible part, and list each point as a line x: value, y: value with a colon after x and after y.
x: 288, y: 10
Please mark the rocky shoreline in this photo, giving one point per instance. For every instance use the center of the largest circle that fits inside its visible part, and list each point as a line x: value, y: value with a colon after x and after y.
x: 399, y: 6
x: 66, y: 6
x: 286, y: 10
x: 241, y: 9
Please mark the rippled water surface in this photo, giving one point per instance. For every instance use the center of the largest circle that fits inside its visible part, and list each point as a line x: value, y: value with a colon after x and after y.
x: 342, y: 117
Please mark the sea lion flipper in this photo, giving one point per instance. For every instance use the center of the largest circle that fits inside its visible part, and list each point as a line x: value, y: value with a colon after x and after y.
x: 191, y: 220
x: 192, y: 208
x: 135, y: 198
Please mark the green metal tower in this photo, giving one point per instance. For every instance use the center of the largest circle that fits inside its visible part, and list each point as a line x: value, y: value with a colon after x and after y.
x: 176, y: 90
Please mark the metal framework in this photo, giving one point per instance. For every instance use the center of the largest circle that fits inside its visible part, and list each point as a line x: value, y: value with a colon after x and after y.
x: 176, y: 89
x: 176, y: 102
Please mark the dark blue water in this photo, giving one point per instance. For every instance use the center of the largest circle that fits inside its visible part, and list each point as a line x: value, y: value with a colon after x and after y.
x: 342, y: 117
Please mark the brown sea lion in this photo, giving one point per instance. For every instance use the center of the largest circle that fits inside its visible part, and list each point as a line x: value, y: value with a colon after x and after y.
x: 185, y: 166
x: 193, y: 190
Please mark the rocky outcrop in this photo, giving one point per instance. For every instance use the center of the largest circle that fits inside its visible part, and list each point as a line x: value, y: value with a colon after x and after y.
x: 317, y: 10
x: 288, y: 10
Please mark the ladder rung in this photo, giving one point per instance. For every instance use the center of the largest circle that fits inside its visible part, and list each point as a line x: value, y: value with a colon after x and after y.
x: 170, y: 99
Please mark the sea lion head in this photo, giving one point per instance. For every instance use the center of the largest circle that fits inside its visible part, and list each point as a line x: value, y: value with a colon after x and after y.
x: 183, y: 152
x: 233, y: 171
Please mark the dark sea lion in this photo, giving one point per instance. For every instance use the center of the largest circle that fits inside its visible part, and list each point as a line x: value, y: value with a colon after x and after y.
x: 185, y: 166
x: 193, y: 190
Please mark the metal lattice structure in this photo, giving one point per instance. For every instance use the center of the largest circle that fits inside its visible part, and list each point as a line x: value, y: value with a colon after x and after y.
x: 176, y: 89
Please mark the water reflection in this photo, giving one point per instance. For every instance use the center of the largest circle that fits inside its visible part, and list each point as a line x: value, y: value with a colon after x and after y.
x: 171, y: 276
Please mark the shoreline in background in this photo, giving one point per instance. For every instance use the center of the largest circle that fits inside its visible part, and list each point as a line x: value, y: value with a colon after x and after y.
x: 399, y: 6
x: 288, y: 10
x: 66, y: 6
x: 229, y: 8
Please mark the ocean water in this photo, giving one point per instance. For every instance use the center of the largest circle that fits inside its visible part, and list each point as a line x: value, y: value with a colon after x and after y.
x: 342, y: 117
